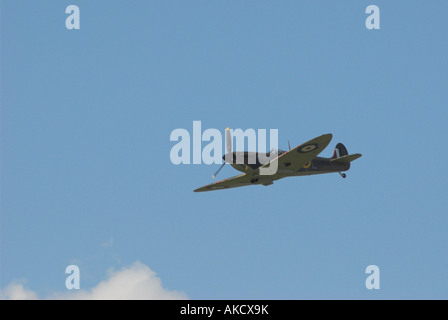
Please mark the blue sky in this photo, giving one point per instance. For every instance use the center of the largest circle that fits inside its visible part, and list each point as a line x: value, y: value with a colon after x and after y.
x: 86, y: 117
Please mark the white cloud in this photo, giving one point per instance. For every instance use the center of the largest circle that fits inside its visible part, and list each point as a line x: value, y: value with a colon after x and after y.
x: 16, y: 291
x: 137, y: 282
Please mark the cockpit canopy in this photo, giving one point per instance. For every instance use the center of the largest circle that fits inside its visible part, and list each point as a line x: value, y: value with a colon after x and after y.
x: 275, y: 152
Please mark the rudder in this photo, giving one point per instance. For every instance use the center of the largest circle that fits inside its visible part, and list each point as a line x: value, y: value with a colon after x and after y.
x: 339, y: 151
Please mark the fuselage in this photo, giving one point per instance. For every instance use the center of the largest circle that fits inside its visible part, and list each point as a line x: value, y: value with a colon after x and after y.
x: 247, y: 162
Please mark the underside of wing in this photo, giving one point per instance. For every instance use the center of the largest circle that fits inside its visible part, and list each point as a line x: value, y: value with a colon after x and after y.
x: 299, y: 156
x: 233, y: 182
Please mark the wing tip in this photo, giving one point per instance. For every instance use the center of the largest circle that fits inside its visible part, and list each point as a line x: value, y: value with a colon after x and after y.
x: 327, y: 135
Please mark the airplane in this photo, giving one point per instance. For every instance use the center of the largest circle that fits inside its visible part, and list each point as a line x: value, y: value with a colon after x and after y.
x: 299, y: 161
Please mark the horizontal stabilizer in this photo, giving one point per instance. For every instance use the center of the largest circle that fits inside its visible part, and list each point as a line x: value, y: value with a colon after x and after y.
x: 347, y: 158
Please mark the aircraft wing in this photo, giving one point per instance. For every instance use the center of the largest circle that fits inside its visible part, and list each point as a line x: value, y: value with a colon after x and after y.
x: 233, y: 182
x: 299, y: 156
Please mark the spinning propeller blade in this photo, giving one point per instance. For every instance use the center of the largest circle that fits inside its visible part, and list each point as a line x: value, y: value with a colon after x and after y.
x: 228, y: 141
x: 222, y: 166
x: 228, y: 149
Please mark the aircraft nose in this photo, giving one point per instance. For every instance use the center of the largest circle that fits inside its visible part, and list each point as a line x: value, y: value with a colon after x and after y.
x: 229, y: 155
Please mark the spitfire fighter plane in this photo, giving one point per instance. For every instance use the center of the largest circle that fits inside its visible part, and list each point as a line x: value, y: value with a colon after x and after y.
x: 299, y: 161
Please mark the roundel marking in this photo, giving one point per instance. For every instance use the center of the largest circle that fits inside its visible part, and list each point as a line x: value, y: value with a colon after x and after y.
x: 307, y: 148
x: 307, y: 165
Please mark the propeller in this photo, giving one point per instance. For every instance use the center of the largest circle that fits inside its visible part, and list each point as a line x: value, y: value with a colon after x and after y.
x: 222, y: 166
x: 228, y: 149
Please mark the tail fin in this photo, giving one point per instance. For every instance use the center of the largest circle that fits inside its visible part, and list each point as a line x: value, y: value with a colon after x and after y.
x: 339, y: 151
